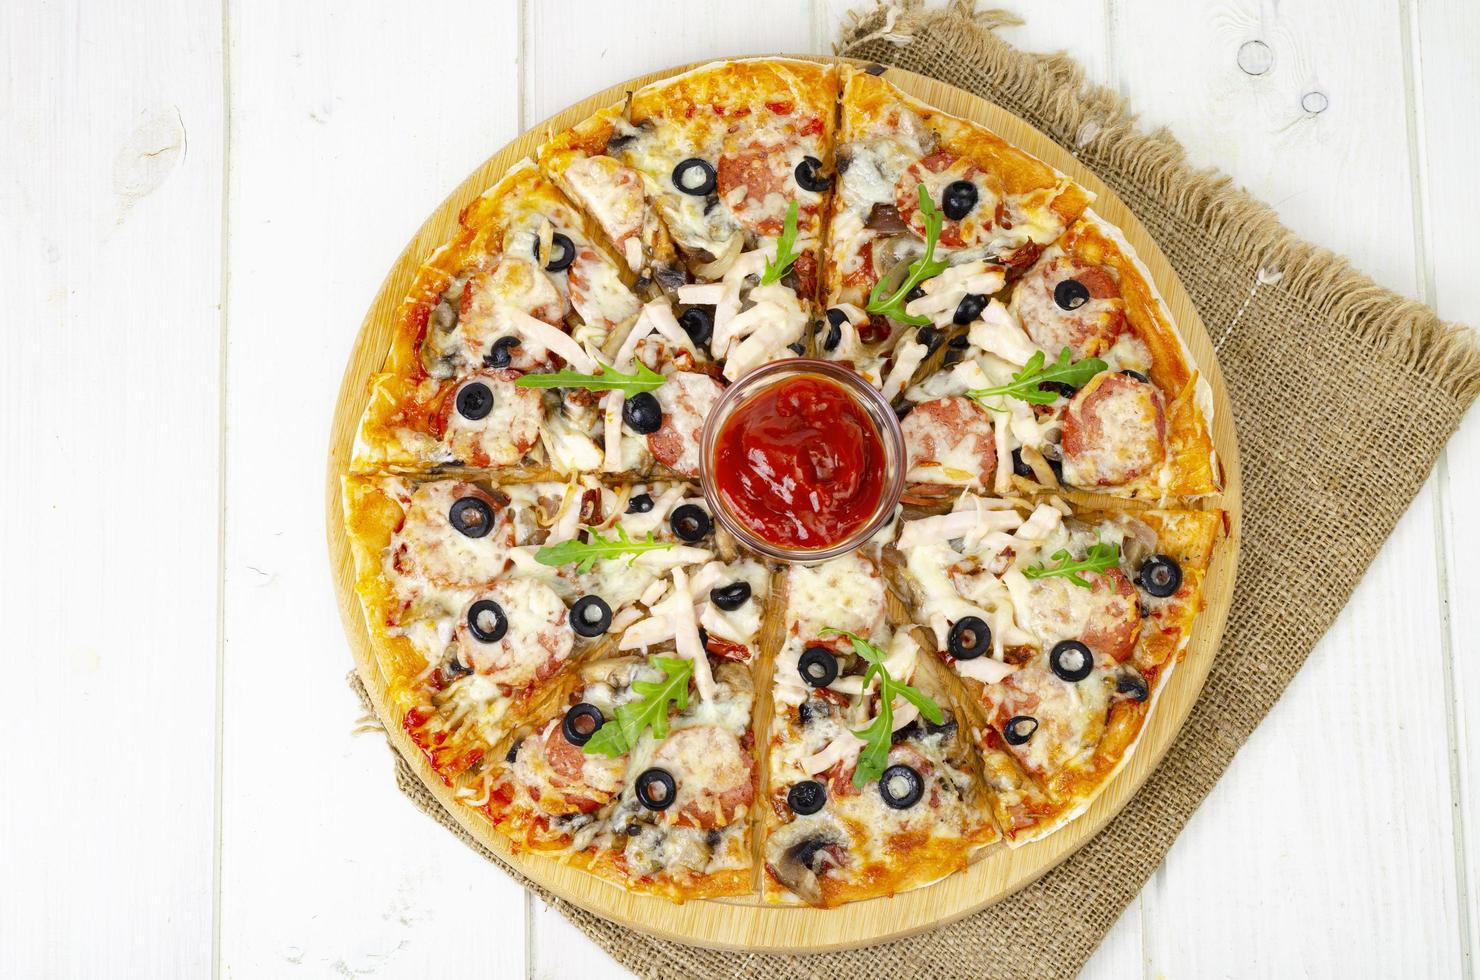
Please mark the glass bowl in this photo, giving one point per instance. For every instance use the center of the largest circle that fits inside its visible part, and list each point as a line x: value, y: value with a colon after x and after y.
x: 874, y: 405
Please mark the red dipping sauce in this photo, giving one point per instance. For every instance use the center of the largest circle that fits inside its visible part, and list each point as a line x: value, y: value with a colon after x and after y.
x: 800, y: 463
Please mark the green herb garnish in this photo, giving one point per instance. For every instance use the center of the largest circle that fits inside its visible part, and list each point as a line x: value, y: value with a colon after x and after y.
x: 874, y: 758
x: 588, y: 553
x: 610, y: 379
x: 925, y: 267
x: 1101, y: 557
x: 650, y: 711
x: 785, y: 248
x: 1026, y: 384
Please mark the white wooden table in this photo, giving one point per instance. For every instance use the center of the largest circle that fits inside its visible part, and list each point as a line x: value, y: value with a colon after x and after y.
x: 197, y: 202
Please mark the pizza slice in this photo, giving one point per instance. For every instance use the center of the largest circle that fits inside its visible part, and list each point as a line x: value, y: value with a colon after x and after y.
x: 477, y: 596
x: 1080, y: 380
x: 873, y: 788
x: 646, y: 775
x: 932, y: 215
x: 1065, y: 626
x: 521, y: 288
x: 735, y: 159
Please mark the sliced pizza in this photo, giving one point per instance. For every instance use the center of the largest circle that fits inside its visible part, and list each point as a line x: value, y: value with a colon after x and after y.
x: 1080, y: 380
x: 476, y: 596
x: 932, y: 215
x: 735, y: 157
x: 647, y: 774
x: 1065, y: 627
x: 521, y: 288
x: 873, y: 788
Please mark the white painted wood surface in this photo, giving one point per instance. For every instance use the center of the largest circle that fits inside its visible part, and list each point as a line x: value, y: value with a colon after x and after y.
x: 196, y: 202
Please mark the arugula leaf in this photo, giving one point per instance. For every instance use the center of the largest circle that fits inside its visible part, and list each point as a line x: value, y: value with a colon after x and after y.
x: 1101, y: 557
x: 785, y: 248
x: 925, y: 267
x: 878, y: 736
x: 619, y: 735
x: 610, y: 379
x: 588, y: 553
x: 1026, y: 383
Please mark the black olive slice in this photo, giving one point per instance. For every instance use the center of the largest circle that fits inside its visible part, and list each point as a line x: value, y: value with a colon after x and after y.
x: 453, y: 668
x: 1018, y: 466
x: 730, y: 597
x: 901, y: 787
x: 487, y: 622
x: 513, y: 752
x: 590, y: 615
x: 959, y: 198
x: 1070, y: 294
x: 656, y: 789
x: 797, y: 348
x: 690, y: 522
x: 1131, y: 684
x: 818, y: 666
x: 1019, y: 729
x: 811, y: 709
x: 959, y: 342
x: 810, y: 177
x: 643, y: 413
x: 806, y: 797
x: 501, y: 353
x: 640, y: 504
x: 875, y: 69
x: 471, y: 517
x: 929, y: 337
x: 1160, y: 575
x: 633, y: 830
x: 581, y: 722
x: 562, y: 250
x: 970, y: 638
x: 1137, y: 375
x: 952, y: 358
x: 1071, y: 660
x: 1058, y: 388
x: 914, y: 294
x: 835, y: 320
x: 474, y: 401
x: 694, y: 176
x: 712, y: 839
x: 969, y: 308
x: 698, y: 323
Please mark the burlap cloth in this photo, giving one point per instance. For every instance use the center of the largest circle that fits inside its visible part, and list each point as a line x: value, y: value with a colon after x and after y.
x: 1343, y: 392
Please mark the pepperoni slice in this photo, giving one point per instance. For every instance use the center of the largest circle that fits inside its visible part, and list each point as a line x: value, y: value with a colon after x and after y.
x: 426, y: 544
x: 492, y: 427
x: 613, y: 195
x: 686, y: 398
x: 757, y: 183
x: 1096, y: 319
x: 536, y: 642
x: 560, y: 778
x: 936, y: 172
x: 597, y: 291
x: 950, y: 441
x: 1071, y: 717
x: 1114, y: 431
x: 1105, y: 617
x: 716, y: 776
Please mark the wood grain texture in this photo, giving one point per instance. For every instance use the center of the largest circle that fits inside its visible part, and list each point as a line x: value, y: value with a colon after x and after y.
x: 325, y: 868
x: 110, y: 260
x: 1293, y: 871
x: 740, y: 924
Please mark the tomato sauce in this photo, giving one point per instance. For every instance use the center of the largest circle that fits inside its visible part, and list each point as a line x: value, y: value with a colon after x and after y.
x: 801, y: 464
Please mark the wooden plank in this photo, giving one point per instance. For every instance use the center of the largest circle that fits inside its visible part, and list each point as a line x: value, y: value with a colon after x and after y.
x: 1281, y: 828
x: 344, y: 138
x: 1445, y: 76
x: 110, y: 233
x: 569, y: 55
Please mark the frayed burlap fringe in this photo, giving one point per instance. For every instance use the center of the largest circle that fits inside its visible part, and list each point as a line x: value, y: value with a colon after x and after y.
x: 1304, y: 341
x: 1090, y: 120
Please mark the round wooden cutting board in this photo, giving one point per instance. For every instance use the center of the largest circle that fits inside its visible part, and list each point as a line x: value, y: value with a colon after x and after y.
x: 745, y: 923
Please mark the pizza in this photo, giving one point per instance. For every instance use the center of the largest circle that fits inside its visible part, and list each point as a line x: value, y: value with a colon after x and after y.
x: 601, y: 673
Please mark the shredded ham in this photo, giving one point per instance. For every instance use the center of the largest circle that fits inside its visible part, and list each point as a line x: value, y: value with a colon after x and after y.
x: 611, y: 410
x: 553, y: 339
x: 907, y: 358
x: 639, y: 524
x: 998, y: 333
x: 844, y: 748
x: 686, y: 638
x: 985, y: 669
